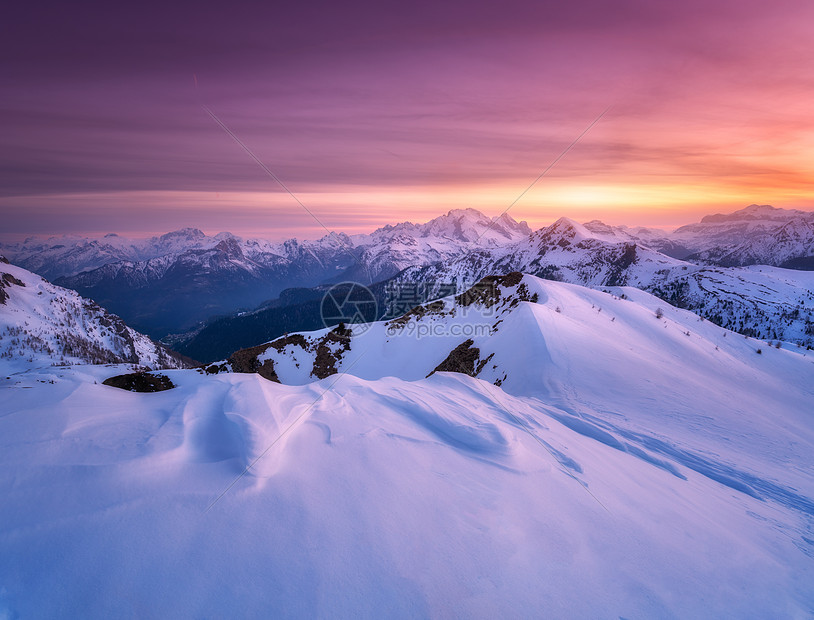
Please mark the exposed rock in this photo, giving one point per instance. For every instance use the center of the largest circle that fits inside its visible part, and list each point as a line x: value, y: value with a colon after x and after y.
x: 6, y: 280
x: 246, y: 361
x: 140, y: 382
x: 487, y: 291
x: 296, y: 340
x: 328, y: 357
x: 463, y: 358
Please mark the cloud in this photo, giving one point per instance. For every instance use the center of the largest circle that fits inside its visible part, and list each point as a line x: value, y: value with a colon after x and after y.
x: 381, y: 96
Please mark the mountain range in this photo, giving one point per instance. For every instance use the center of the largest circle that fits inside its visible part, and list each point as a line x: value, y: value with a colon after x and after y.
x: 173, y: 283
x: 170, y: 283
x: 759, y: 301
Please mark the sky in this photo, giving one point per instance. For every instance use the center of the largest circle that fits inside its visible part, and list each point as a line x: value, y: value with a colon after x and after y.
x: 375, y: 112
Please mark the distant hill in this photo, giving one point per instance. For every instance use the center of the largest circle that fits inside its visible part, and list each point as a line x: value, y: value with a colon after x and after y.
x: 42, y: 324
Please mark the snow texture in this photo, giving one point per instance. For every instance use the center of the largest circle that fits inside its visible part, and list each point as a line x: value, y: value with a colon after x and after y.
x: 635, y: 463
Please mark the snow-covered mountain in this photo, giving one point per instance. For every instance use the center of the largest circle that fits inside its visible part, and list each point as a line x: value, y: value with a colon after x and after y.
x: 755, y: 235
x: 176, y: 291
x: 733, y: 228
x: 55, y: 257
x: 172, y: 283
x: 764, y: 302
x: 390, y: 249
x: 790, y: 244
x: 169, y: 283
x: 43, y: 324
x: 652, y: 238
x: 429, y: 337
x: 441, y: 237
x: 635, y: 462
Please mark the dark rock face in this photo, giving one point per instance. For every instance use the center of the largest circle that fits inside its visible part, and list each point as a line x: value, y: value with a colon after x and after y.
x: 487, y: 291
x: 246, y: 361
x: 326, y: 357
x: 7, y: 280
x: 140, y: 382
x: 462, y: 358
x: 465, y: 359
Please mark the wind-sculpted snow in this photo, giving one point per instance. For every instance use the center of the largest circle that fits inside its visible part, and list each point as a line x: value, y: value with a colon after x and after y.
x: 444, y: 496
x: 606, y: 439
x: 595, y: 356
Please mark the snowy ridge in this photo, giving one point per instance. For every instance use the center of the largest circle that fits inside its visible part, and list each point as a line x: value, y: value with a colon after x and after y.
x: 173, y: 283
x: 391, y: 249
x: 632, y: 447
x: 758, y: 234
x: 764, y: 302
x: 582, y: 350
x: 731, y: 237
x: 788, y: 244
x: 755, y: 235
x: 564, y: 251
x: 42, y: 324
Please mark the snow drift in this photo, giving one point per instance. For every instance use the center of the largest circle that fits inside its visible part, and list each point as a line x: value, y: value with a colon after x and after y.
x: 634, y: 463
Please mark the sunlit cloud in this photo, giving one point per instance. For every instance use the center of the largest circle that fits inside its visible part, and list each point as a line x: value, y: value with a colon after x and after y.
x: 373, y: 115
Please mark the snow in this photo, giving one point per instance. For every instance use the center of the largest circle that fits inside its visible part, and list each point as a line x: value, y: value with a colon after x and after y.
x: 44, y: 324
x: 624, y: 469
x: 767, y: 302
x: 610, y: 362
x: 438, y: 239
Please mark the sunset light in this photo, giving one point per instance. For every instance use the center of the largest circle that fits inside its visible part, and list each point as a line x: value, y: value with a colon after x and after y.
x: 426, y: 309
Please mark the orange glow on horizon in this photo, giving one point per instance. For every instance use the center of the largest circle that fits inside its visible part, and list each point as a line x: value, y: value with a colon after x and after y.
x: 361, y: 209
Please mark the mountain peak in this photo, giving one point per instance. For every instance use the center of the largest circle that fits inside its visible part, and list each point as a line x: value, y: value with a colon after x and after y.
x: 467, y: 212
x: 472, y: 225
x: 755, y: 212
x: 184, y: 233
x: 230, y: 247
x: 568, y: 229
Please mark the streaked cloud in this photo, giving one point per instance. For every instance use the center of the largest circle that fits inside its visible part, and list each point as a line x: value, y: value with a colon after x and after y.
x: 379, y: 112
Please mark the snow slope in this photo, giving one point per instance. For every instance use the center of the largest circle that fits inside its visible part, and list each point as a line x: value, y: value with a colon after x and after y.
x: 43, y: 324
x: 605, y: 358
x: 442, y: 497
x: 632, y: 465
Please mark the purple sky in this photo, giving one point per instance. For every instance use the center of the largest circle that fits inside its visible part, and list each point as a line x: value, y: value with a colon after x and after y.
x: 375, y: 112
